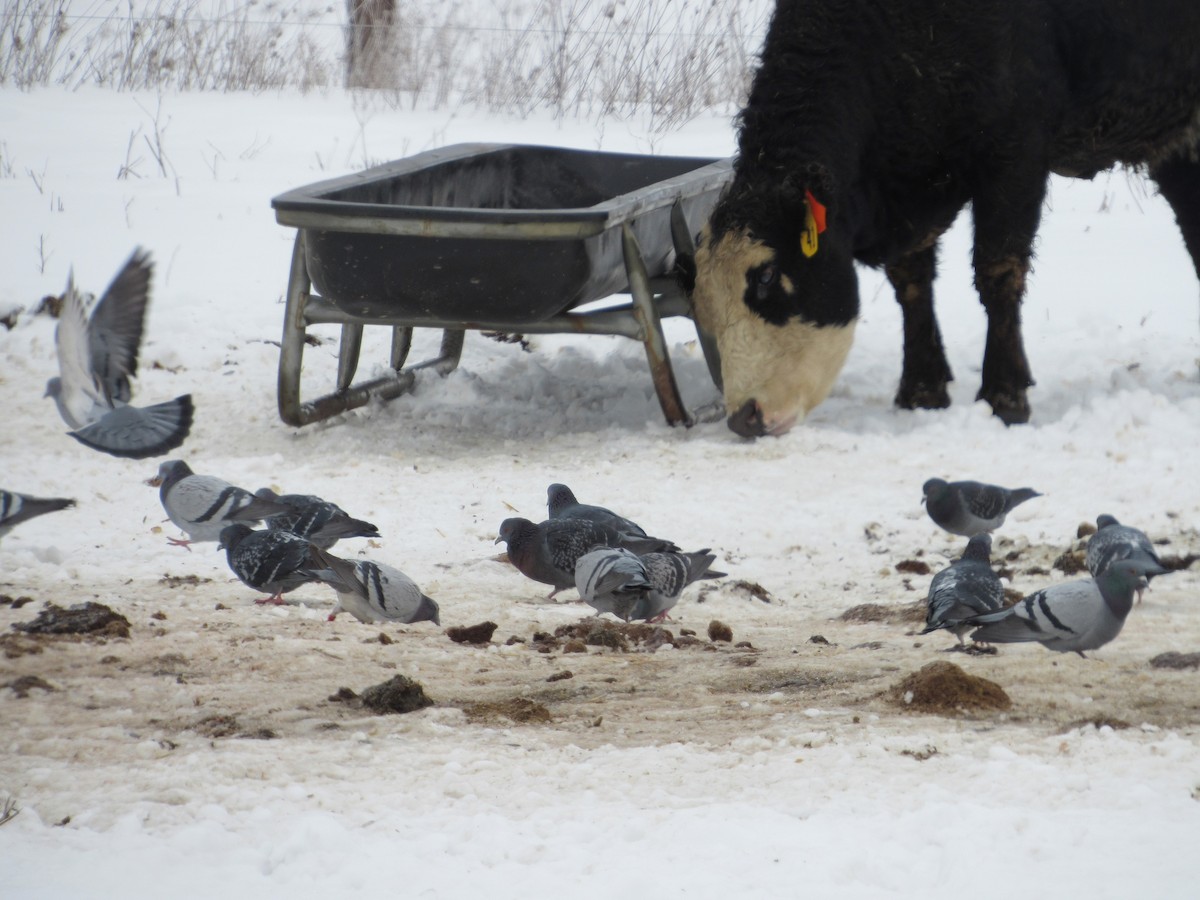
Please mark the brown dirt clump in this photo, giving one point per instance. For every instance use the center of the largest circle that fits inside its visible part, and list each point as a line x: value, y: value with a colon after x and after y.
x: 1174, y: 660
x: 1071, y: 562
x: 719, y: 631
x: 399, y: 694
x: 913, y: 567
x: 908, y: 614
x: 944, y: 688
x: 521, y: 710
x: 23, y: 685
x: 472, y: 634
x: 82, y: 618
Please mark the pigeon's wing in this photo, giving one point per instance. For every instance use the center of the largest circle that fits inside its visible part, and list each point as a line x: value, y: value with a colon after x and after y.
x: 137, y: 433
x: 608, y: 570
x: 115, y: 331
x: 1058, y: 613
x: 266, y: 557
x: 984, y: 500
x: 17, y: 508
x: 1118, y: 542
x: 668, y: 572
x: 81, y: 400
x: 391, y: 590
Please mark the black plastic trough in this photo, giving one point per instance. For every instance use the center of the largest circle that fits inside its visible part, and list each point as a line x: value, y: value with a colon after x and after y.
x: 495, y: 237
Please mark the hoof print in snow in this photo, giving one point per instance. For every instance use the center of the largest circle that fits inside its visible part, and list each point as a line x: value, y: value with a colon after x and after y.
x: 520, y: 710
x: 945, y: 689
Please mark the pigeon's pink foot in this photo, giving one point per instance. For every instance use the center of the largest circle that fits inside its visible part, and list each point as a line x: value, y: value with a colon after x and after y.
x: 332, y: 617
x: 176, y: 542
x: 274, y: 600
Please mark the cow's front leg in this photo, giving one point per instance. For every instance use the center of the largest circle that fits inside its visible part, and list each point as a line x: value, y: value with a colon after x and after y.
x: 926, y: 373
x: 1006, y: 220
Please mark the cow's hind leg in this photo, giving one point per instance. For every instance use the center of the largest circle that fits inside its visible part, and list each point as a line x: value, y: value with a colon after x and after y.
x: 926, y: 373
x: 1006, y: 216
x: 1179, y: 182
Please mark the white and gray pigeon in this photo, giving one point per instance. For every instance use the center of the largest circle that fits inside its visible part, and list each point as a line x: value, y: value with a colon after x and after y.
x: 308, y: 516
x: 969, y: 508
x: 1071, y: 617
x: 374, y: 592
x: 547, y: 551
x: 965, y: 588
x: 1112, y: 541
x: 647, y: 590
x: 98, y: 345
x: 203, y: 505
x: 17, y: 508
x: 273, y: 562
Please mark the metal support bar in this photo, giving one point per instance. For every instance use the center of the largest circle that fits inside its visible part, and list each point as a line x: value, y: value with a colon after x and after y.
x: 652, y: 334
x: 685, y: 245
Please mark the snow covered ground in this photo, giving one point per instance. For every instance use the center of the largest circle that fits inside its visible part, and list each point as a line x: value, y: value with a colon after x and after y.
x: 775, y: 771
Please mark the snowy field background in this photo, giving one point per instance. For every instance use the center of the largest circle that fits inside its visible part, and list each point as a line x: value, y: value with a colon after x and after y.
x: 677, y: 773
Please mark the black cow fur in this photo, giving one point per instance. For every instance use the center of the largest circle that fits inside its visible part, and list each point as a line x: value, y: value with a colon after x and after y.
x: 897, y: 113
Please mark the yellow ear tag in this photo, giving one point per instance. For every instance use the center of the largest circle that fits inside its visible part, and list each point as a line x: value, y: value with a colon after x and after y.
x: 814, y: 224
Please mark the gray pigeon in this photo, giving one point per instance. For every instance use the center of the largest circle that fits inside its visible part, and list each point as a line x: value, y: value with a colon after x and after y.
x: 1073, y: 616
x: 373, y: 592
x: 273, y: 562
x: 1112, y: 541
x: 969, y: 508
x: 547, y: 552
x: 97, y: 355
x: 202, y: 505
x: 612, y: 580
x: 965, y: 588
x: 319, y: 521
x: 631, y: 587
x: 18, y: 508
x: 562, y: 504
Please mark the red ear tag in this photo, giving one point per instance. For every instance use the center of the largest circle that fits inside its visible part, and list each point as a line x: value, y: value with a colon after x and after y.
x: 817, y: 209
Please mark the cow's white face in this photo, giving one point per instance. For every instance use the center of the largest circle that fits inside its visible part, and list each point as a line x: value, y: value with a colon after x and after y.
x: 773, y: 374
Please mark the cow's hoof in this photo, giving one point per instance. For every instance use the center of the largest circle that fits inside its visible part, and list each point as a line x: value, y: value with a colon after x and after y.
x: 1009, y: 408
x: 923, y: 396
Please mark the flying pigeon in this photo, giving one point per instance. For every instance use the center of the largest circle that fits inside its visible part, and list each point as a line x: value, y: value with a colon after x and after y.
x: 969, y: 508
x: 547, y: 552
x: 373, y: 592
x: 97, y: 355
x: 18, y: 508
x: 202, y: 505
x: 273, y: 562
x: 1073, y: 616
x: 321, y: 522
x: 966, y: 587
x: 609, y: 581
x: 1113, y: 540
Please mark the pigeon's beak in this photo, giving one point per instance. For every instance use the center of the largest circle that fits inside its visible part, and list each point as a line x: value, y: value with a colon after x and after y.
x: 498, y: 539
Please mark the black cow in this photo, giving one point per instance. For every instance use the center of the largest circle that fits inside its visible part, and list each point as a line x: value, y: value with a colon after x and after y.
x: 871, y: 123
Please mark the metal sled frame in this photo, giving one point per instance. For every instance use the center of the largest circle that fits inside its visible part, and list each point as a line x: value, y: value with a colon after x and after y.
x: 652, y: 299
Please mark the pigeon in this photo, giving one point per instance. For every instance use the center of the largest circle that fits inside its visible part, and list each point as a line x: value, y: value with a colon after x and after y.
x: 965, y: 588
x: 273, y: 562
x: 373, y: 592
x: 1073, y: 616
x: 97, y: 355
x: 547, y: 552
x: 18, y: 508
x: 321, y: 522
x: 612, y: 580
x: 202, y: 505
x: 1113, y: 540
x: 608, y: 580
x: 969, y: 508
x: 562, y: 505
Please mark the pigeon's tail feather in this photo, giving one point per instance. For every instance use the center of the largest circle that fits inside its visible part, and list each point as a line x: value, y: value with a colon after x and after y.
x: 340, y: 574
x: 1020, y: 495
x: 643, y: 545
x: 339, y: 527
x: 258, y: 509
x: 138, y: 433
x: 698, y: 566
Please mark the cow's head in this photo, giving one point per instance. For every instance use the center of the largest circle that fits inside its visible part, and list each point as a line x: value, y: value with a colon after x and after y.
x: 775, y: 286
